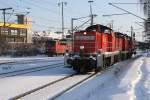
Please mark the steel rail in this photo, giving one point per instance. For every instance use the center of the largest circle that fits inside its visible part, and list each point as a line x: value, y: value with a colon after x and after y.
x: 26, y: 61
x: 29, y: 70
x: 41, y: 87
x: 71, y: 87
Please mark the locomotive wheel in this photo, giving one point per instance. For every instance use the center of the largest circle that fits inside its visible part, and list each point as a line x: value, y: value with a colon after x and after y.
x: 74, y: 68
x: 104, y: 65
x: 98, y: 69
x: 82, y: 70
x: 50, y: 55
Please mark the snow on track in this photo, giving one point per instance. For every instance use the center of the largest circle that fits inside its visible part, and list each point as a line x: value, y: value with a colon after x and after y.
x: 52, y: 90
x: 6, y: 59
x: 127, y: 80
x: 115, y: 84
x: 13, y: 86
x: 29, y: 70
x: 13, y: 67
x: 142, y: 89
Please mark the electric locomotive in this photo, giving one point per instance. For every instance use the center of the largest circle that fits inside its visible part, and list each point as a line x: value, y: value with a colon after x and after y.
x: 98, y: 47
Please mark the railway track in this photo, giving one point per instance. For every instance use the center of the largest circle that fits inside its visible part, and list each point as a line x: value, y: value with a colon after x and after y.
x: 27, y: 61
x: 52, y: 84
x: 39, y: 88
x: 71, y: 87
x: 29, y: 70
x: 38, y: 92
x: 110, y: 68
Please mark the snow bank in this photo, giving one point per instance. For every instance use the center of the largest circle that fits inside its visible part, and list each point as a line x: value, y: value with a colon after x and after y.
x: 142, y: 89
x: 115, y: 84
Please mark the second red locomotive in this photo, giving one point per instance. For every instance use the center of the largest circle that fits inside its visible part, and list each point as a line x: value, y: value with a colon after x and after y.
x: 57, y: 46
x: 97, y: 47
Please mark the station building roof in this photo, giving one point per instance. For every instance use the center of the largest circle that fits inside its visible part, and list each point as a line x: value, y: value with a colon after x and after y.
x: 14, y: 25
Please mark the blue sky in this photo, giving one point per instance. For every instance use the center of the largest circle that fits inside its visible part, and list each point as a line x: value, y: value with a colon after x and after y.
x: 46, y: 14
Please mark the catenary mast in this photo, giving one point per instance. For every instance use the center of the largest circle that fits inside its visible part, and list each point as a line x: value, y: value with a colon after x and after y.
x: 146, y: 9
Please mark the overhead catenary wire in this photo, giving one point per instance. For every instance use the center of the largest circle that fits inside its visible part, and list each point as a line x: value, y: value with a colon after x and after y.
x: 32, y: 4
x: 133, y: 3
x: 43, y: 19
x: 48, y: 3
x: 126, y: 11
x: 82, y: 24
x: 37, y: 17
x: 10, y: 16
x: 68, y: 11
x: 41, y: 7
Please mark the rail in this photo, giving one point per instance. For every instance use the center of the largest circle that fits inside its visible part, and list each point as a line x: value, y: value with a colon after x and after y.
x: 29, y: 70
x: 39, y: 88
x: 69, y: 88
x: 26, y: 61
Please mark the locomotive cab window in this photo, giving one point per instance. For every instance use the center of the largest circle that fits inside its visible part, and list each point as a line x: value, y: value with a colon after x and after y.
x: 85, y: 37
x: 51, y: 43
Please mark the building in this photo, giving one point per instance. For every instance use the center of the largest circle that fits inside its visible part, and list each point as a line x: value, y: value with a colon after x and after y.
x: 19, y: 32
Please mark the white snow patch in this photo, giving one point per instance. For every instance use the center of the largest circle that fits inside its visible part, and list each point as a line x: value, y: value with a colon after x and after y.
x: 115, y: 84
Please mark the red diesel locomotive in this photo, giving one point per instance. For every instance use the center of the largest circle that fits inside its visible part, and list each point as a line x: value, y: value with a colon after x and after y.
x: 57, y: 46
x: 98, y: 47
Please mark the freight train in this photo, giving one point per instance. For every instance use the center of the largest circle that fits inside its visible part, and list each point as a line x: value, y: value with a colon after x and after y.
x: 98, y: 47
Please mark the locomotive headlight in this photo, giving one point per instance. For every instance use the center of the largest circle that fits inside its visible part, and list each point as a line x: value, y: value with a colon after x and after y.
x: 84, y: 33
x: 81, y: 47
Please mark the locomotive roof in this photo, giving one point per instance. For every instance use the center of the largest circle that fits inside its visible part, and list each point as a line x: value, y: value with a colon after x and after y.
x: 118, y: 34
x: 98, y: 27
x: 127, y: 36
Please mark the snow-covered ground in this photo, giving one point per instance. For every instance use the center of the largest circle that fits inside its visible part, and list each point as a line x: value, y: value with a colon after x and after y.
x: 13, y: 59
x: 142, y: 88
x: 13, y: 86
x: 39, y: 61
x: 127, y: 80
x: 52, y: 90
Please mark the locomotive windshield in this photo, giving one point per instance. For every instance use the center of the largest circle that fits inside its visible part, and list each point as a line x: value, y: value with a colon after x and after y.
x: 85, y: 37
x: 51, y: 42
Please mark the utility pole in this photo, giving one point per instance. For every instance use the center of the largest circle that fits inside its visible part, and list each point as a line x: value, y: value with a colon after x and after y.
x: 62, y: 14
x: 91, y: 13
x: 131, y: 32
x: 112, y: 24
x: 72, y: 25
x: 4, y: 14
